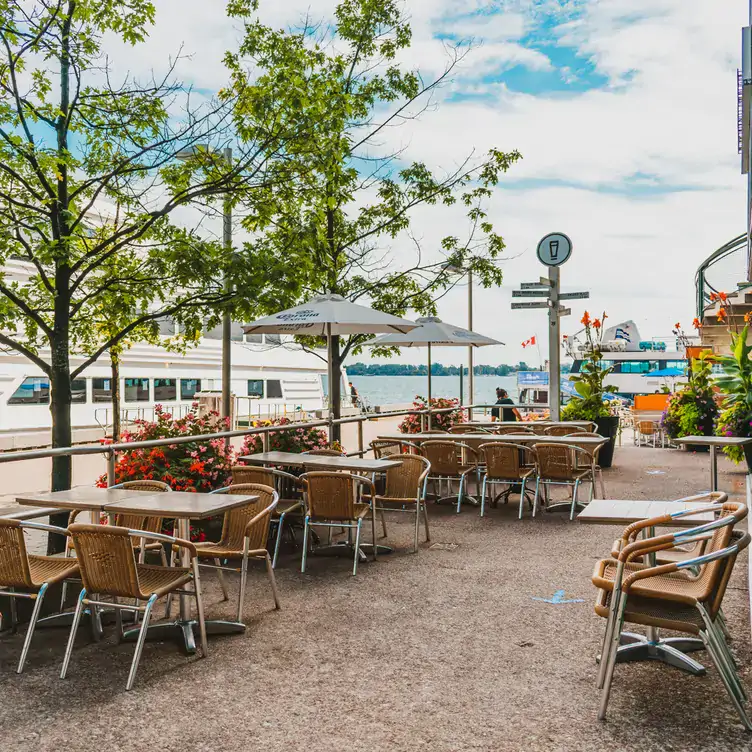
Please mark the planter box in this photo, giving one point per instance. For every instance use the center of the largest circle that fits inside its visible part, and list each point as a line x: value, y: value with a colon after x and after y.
x: 608, y: 427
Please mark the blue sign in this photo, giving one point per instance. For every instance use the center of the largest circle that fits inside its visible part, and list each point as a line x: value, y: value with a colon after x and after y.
x: 558, y: 598
x: 532, y: 378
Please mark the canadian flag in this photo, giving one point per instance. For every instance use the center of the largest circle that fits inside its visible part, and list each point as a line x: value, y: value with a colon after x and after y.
x: 529, y: 342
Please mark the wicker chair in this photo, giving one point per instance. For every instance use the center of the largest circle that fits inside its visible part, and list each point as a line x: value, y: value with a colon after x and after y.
x: 405, y: 490
x: 592, y: 464
x: 504, y: 430
x: 664, y: 596
x: 647, y: 431
x: 106, y: 558
x: 562, y: 430
x: 326, y: 452
x: 504, y: 464
x: 331, y: 502
x: 283, y: 483
x: 451, y: 460
x: 383, y: 448
x: 464, y: 428
x: 131, y: 521
x: 245, y: 531
x: 19, y: 569
x: 557, y: 465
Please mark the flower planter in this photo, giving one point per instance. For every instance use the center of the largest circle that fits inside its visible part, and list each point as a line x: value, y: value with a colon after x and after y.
x: 747, y: 449
x: 608, y: 427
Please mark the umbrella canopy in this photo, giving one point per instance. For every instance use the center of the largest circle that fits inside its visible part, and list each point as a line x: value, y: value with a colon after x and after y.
x: 430, y: 332
x: 666, y: 372
x: 328, y: 315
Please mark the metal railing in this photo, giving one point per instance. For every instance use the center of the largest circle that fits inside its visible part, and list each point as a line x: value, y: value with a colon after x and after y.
x: 703, y: 288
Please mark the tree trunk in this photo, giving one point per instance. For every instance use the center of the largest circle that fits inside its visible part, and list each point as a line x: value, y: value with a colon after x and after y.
x: 62, y: 434
x: 115, y: 386
x: 336, y: 388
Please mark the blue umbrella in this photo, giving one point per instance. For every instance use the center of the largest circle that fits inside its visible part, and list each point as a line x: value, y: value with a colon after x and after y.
x: 671, y: 373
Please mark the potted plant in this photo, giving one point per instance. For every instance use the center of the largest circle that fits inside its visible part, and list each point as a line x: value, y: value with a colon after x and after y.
x: 444, y: 421
x: 692, y: 410
x: 590, y: 402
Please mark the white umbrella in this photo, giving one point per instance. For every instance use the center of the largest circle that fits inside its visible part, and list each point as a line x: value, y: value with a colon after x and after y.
x: 327, y: 316
x: 432, y: 332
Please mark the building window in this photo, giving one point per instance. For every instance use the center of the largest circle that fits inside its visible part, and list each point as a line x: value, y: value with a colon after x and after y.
x: 78, y: 391
x: 101, y: 390
x: 165, y: 390
x: 33, y: 391
x: 274, y: 389
x: 255, y: 388
x: 188, y: 388
x: 136, y: 390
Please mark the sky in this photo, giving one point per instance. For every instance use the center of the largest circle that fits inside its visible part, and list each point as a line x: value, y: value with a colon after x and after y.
x: 624, y: 112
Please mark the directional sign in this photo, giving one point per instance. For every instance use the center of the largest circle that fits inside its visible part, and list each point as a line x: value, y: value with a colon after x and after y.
x: 574, y: 295
x: 539, y: 293
x: 554, y: 249
x: 565, y: 311
x: 532, y: 285
x: 531, y: 304
x: 545, y: 281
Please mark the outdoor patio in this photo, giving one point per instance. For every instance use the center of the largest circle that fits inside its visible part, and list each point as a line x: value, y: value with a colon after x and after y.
x: 444, y: 650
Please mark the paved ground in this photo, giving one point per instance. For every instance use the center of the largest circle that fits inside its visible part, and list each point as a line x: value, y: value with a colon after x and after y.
x: 444, y: 650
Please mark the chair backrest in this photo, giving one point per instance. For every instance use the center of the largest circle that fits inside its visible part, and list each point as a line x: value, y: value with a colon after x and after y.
x: 555, y: 461
x: 386, y: 448
x: 464, y: 428
x: 14, y: 559
x: 537, y: 427
x: 502, y: 430
x: 235, y: 525
x: 741, y: 539
x: 405, y: 481
x: 445, y: 456
x: 330, y: 495
x: 646, y: 427
x: 106, y: 560
x: 504, y: 460
x: 326, y: 452
x: 140, y: 521
x: 252, y: 474
x: 561, y: 430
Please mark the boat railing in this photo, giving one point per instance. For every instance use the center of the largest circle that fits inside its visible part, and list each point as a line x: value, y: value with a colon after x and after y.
x: 721, y: 281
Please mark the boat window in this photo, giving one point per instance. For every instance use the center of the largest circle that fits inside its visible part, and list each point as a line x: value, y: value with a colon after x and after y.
x: 166, y: 326
x: 236, y: 332
x: 101, y: 390
x: 189, y: 387
x: 33, y: 391
x: 255, y: 388
x: 674, y: 364
x: 274, y: 389
x: 78, y: 391
x: 273, y: 339
x: 638, y: 366
x: 165, y: 390
x: 254, y: 339
x: 136, y: 390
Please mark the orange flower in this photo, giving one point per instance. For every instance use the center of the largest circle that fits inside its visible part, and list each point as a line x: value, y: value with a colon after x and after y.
x: 713, y: 297
x: 677, y: 326
x: 585, y: 320
x: 597, y: 323
x: 696, y: 323
x: 748, y: 317
x: 722, y: 296
x: 721, y: 315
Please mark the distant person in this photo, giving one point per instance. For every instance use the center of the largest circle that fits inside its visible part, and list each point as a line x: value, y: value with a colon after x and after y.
x: 354, y: 396
x: 505, y: 413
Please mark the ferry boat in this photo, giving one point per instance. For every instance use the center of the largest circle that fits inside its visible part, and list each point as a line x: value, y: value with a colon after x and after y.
x: 631, y: 357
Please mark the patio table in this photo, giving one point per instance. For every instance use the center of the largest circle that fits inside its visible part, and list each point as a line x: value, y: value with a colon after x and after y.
x: 417, y: 438
x: 320, y: 461
x: 183, y: 506
x: 637, y: 647
x: 714, y: 442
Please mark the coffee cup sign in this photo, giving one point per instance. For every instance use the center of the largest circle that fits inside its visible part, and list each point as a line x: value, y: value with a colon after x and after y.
x: 554, y: 249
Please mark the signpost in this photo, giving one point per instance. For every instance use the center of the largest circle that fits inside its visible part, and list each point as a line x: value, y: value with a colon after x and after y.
x: 553, y: 250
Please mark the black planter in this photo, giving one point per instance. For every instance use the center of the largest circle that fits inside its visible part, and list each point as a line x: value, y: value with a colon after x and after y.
x: 747, y: 449
x: 608, y: 427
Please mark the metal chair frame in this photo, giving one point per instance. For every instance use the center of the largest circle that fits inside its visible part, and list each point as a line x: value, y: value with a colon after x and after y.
x: 593, y: 464
x: 518, y: 481
x: 248, y: 554
x: 349, y: 525
x: 546, y: 483
x: 472, y: 466
x: 146, y: 609
x: 37, y: 597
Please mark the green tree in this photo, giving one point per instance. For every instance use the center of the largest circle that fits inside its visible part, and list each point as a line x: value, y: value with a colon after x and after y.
x: 88, y: 181
x: 332, y: 230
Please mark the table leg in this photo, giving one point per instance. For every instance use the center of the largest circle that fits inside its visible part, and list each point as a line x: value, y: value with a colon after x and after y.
x: 713, y: 468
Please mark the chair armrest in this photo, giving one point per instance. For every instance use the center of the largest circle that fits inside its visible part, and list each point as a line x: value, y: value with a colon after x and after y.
x: 166, y: 538
x: 43, y: 526
x: 366, y: 482
x: 224, y: 489
x: 266, y: 511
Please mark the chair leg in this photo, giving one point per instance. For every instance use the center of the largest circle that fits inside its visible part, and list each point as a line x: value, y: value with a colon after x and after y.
x: 535, y: 498
x: 373, y: 531
x: 727, y: 682
x: 32, y: 624
x: 357, y: 548
x: 483, y: 496
x: 383, y: 523
x: 278, y: 540
x: 13, y: 613
x: 200, y: 608
x: 603, y: 486
x: 522, y: 496
x: 460, y: 492
x: 272, y: 580
x: 163, y: 556
x: 222, y: 582
x: 574, y: 499
x: 243, y: 580
x: 305, y: 544
x: 140, y: 642
x: 417, y: 525
x: 425, y: 519
x: 74, y: 628
x: 620, y: 605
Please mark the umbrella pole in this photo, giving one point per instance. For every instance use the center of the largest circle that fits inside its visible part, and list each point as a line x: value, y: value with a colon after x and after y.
x: 330, y: 370
x: 429, y: 386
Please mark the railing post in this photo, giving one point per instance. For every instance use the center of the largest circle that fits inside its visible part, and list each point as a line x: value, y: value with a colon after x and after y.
x: 110, y: 468
x: 265, y: 441
x: 360, y: 437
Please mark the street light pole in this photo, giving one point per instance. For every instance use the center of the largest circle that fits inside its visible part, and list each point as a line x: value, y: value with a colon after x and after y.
x: 226, y: 317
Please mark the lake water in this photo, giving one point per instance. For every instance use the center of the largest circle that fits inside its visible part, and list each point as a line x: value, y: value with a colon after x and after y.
x: 388, y: 390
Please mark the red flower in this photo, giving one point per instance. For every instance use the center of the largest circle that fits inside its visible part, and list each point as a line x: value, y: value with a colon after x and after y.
x: 696, y: 323
x: 585, y: 320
